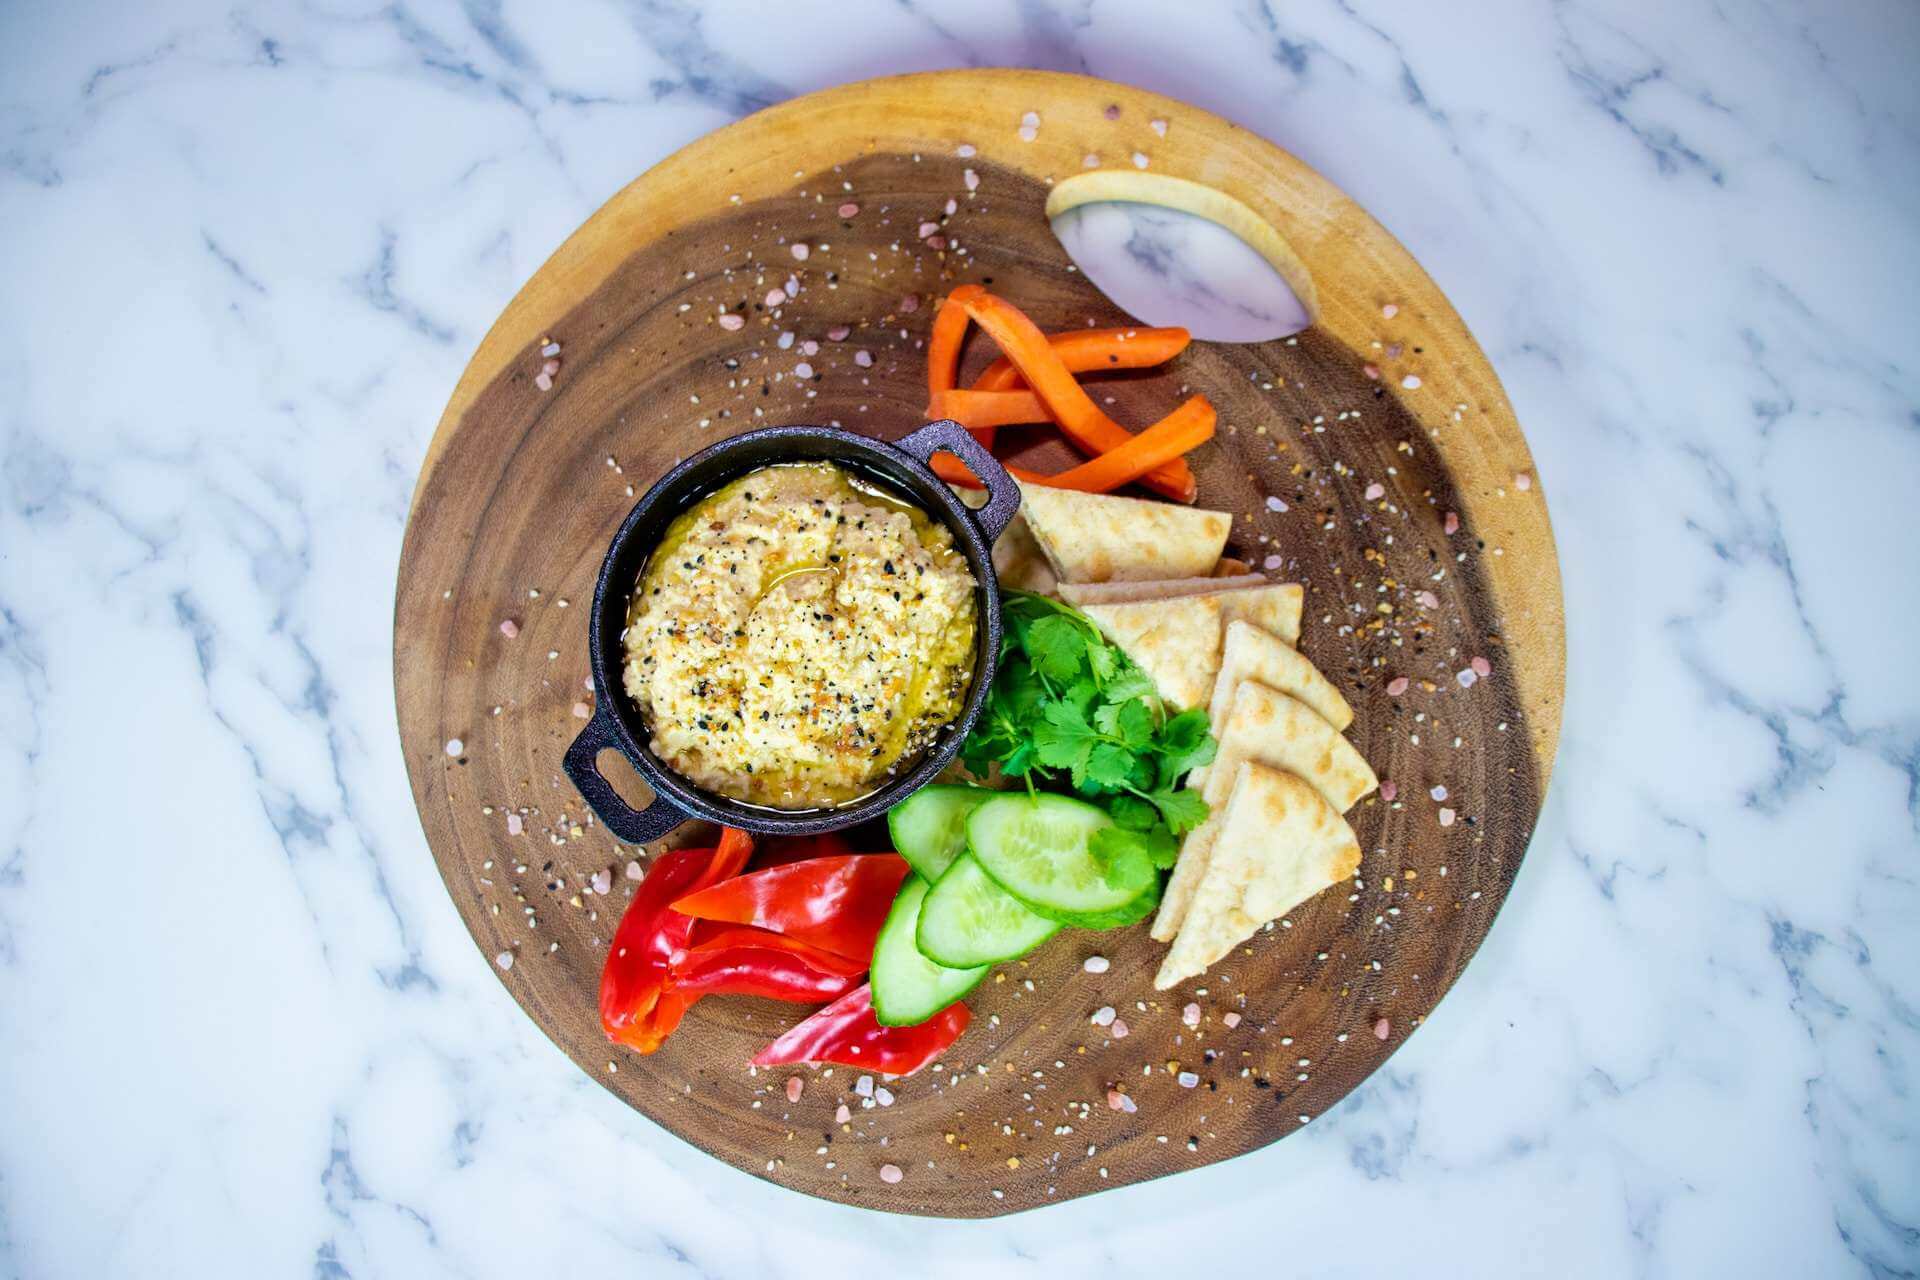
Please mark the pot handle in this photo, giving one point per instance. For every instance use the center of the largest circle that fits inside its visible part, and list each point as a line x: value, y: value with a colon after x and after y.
x: 1003, y: 495
x: 634, y: 826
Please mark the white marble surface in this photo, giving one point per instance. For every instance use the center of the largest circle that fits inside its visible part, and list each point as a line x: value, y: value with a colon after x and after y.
x: 246, y: 248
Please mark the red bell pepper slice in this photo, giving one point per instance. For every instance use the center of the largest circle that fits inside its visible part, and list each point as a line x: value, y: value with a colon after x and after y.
x: 784, y: 849
x: 636, y: 1006
x: 847, y: 1033
x: 838, y: 903
x: 741, y: 961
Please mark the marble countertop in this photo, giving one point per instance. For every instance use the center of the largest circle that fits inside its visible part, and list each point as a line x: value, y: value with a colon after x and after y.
x: 245, y: 251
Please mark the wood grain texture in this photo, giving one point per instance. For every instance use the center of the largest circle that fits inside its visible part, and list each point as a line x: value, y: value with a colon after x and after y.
x: 521, y: 491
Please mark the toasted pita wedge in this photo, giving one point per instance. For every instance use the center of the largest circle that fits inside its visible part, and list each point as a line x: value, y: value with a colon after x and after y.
x: 1279, y: 844
x: 1269, y: 728
x: 1097, y: 537
x: 1177, y: 642
x: 1252, y: 654
x: 1085, y: 593
x: 1274, y: 608
x: 1018, y: 561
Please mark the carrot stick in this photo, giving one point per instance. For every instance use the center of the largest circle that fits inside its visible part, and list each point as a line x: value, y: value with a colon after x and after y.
x: 1091, y: 350
x: 1069, y: 406
x: 943, y: 347
x: 1188, y: 427
x: 987, y: 409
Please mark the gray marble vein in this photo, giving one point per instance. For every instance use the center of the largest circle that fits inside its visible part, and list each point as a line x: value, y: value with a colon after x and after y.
x: 245, y: 250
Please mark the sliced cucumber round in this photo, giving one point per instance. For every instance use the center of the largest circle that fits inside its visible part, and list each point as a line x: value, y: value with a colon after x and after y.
x: 929, y: 827
x: 967, y: 919
x: 908, y: 988
x: 1036, y: 848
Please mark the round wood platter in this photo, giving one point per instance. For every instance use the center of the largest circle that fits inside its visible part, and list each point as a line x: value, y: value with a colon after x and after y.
x: 1348, y: 453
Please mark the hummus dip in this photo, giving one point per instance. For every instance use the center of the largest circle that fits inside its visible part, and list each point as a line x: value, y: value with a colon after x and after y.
x: 797, y: 635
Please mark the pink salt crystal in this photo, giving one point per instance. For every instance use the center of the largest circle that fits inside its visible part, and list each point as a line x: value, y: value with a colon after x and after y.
x: 803, y: 370
x: 800, y: 252
x: 966, y: 151
x: 1119, y: 1029
x: 1116, y: 1100
x: 1389, y: 789
x: 1382, y: 1029
x: 1372, y: 371
x: 509, y: 628
x: 1428, y: 599
x: 776, y: 296
x: 809, y: 348
x: 1375, y: 492
x: 550, y: 367
x: 1466, y: 676
x: 1191, y: 1014
x: 838, y: 333
x: 601, y: 881
x: 1230, y: 1020
x: 952, y: 206
x: 544, y: 381
x: 970, y: 179
x: 841, y: 1115
x: 731, y: 322
x: 1523, y: 482
x: 936, y: 243
x: 890, y: 1173
x: 515, y: 824
x: 848, y: 209
x: 1411, y: 382
x: 1451, y: 525
x: 1446, y: 817
x: 634, y: 870
x: 864, y: 359
x: 928, y: 228
x: 1396, y: 686
x: 587, y: 684
x: 1390, y: 311
x: 581, y: 711
x: 794, y: 1085
x: 1481, y: 667
x: 910, y: 303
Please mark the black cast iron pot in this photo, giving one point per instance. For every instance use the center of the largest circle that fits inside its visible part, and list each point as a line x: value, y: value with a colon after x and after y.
x: 901, y: 466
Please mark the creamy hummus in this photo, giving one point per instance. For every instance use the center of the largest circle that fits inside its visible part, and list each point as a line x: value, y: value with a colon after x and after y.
x: 797, y: 635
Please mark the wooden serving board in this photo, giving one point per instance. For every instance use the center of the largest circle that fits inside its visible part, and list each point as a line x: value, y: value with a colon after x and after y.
x: 521, y: 491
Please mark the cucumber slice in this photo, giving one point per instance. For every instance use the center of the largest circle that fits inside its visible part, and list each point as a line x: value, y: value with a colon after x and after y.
x: 1035, y: 847
x: 967, y: 919
x: 929, y: 827
x: 908, y: 988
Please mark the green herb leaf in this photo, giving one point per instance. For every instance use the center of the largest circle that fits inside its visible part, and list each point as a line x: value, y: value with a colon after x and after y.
x: 1182, y: 810
x: 1130, y: 682
x: 1109, y: 766
x: 1131, y: 813
x: 1056, y: 647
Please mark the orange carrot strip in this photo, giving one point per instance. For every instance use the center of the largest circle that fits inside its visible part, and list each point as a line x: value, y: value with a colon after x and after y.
x: 1188, y: 427
x: 943, y: 348
x: 988, y: 409
x: 1091, y: 350
x: 1082, y: 421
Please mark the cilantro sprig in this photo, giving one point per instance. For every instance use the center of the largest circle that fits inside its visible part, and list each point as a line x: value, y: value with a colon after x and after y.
x: 1070, y: 710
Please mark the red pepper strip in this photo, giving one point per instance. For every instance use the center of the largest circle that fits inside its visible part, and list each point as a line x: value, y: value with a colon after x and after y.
x: 636, y: 1006
x: 836, y: 903
x: 1090, y: 351
x: 847, y: 1033
x: 784, y: 849
x: 753, y: 962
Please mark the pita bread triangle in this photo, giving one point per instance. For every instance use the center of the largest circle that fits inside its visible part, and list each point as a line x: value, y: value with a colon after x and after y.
x: 1177, y: 642
x: 1097, y: 537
